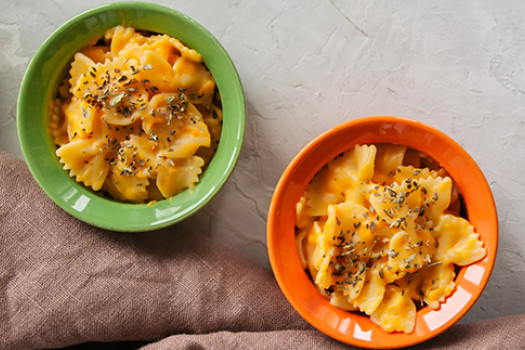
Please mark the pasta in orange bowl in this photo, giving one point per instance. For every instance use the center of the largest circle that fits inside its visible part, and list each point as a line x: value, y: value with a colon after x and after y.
x: 382, y: 232
x: 138, y: 116
x: 379, y: 230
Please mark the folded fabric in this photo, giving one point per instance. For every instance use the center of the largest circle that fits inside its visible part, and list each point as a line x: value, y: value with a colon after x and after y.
x: 502, y: 333
x: 67, y: 284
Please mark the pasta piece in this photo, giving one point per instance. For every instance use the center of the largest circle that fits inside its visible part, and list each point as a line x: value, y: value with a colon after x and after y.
x: 321, y: 193
x: 397, y: 312
x: 351, y: 225
x: 164, y: 47
x: 80, y: 67
x: 57, y: 123
x: 430, y: 285
x: 373, y: 290
x: 99, y: 54
x: 301, y: 218
x: 353, y: 283
x: 411, y: 172
x: 437, y: 196
x: 127, y: 188
x: 177, y: 125
x: 119, y: 37
x: 162, y: 74
x: 397, y: 204
x: 411, y: 285
x: 458, y: 243
x: 82, y: 120
x: 136, y: 157
x: 213, y: 119
x: 177, y: 175
x: 357, y: 164
x: 195, y: 79
x: 324, y: 266
x: 438, y: 284
x: 85, y: 162
x: 338, y: 299
x: 341, y: 180
x: 352, y: 169
x: 388, y: 159
x: 408, y: 252
x: 185, y: 51
x: 301, y: 237
x: 312, y: 250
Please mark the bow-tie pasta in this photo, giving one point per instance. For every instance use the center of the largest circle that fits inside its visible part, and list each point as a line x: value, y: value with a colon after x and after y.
x: 379, y: 231
x: 138, y: 117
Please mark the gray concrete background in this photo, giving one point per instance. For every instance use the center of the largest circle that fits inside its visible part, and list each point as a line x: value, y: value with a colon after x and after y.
x: 308, y: 65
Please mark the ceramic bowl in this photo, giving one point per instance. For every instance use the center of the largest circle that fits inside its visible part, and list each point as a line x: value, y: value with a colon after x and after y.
x: 354, y: 328
x: 49, y: 66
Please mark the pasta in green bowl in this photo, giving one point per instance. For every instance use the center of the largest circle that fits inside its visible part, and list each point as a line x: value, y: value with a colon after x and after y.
x: 131, y: 116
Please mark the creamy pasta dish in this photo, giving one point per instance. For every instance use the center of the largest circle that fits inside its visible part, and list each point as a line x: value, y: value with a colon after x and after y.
x: 381, y: 230
x: 138, y: 116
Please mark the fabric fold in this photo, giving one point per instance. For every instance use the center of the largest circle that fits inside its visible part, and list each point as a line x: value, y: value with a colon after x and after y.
x: 66, y: 284
x: 500, y: 333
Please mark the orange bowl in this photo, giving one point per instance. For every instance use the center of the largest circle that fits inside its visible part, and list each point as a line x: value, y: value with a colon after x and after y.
x: 354, y: 328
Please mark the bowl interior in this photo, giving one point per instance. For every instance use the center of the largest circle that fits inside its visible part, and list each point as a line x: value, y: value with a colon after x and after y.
x: 353, y: 328
x: 49, y: 66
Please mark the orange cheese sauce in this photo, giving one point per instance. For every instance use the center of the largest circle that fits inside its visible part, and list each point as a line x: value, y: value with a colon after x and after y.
x: 138, y: 116
x: 379, y: 231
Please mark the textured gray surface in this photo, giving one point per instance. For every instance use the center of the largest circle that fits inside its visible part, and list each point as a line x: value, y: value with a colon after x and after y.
x: 309, y: 65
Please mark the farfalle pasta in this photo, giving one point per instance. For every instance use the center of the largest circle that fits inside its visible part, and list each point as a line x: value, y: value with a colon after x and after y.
x: 138, y: 117
x: 380, y: 231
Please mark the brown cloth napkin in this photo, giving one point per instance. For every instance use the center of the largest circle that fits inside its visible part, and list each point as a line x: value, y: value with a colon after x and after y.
x: 68, y: 284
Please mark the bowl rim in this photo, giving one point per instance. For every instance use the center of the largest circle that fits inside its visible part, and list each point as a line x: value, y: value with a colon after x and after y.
x: 82, y: 202
x: 293, y: 280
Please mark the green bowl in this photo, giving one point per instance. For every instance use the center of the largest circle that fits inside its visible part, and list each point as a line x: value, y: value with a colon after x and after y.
x: 49, y: 66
